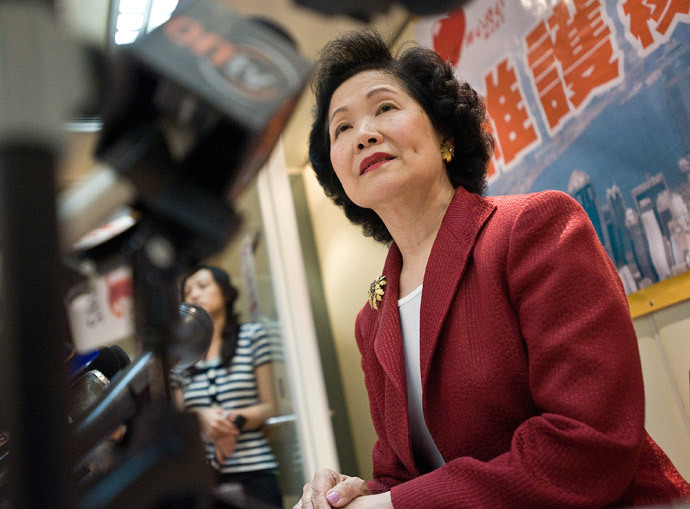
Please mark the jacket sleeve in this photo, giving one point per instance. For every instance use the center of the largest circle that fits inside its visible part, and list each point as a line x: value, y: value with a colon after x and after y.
x: 582, y: 449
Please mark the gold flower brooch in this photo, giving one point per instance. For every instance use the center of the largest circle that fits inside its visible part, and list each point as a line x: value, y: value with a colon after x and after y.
x: 376, y: 291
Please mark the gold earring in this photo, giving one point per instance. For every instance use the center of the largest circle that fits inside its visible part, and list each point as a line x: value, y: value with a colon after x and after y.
x: 447, y: 152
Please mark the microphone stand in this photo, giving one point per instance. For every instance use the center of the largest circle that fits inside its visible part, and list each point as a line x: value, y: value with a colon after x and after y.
x: 34, y: 330
x: 32, y: 320
x: 167, y: 462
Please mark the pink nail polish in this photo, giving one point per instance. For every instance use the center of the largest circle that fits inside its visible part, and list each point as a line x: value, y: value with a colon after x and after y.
x: 333, y: 497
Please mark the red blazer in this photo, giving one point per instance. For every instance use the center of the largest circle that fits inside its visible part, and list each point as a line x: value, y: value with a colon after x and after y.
x: 531, y: 377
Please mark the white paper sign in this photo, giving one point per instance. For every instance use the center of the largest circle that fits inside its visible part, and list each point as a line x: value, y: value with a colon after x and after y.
x: 105, y: 314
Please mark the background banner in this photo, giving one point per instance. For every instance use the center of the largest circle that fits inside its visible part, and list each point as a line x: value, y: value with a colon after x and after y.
x: 591, y: 97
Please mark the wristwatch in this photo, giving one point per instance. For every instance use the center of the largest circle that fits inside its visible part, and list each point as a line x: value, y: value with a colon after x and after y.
x: 239, y: 421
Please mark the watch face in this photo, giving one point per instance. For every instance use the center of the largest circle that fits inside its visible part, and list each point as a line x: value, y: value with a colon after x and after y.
x: 239, y: 422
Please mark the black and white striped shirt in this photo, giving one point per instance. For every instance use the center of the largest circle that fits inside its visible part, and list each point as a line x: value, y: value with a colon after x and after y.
x: 231, y: 388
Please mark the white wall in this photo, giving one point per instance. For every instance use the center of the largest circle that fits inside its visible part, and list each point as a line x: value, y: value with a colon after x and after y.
x: 349, y: 263
x: 664, y: 339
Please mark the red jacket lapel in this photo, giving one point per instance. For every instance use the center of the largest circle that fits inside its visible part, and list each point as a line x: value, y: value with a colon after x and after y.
x: 452, y: 248
x: 388, y: 337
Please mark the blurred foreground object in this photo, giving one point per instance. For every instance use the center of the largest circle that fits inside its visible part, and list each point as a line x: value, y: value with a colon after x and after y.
x: 365, y: 9
x: 193, y: 112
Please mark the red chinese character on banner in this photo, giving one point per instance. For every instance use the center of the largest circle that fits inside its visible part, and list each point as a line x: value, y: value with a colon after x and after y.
x: 513, y: 124
x: 547, y: 76
x: 638, y: 14
x: 489, y: 22
x: 675, y: 9
x: 650, y: 22
x: 572, y: 56
x: 448, y: 35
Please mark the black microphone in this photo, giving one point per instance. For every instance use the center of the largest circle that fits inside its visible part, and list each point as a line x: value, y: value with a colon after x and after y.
x: 193, y: 335
x: 110, y: 360
x: 87, y: 388
x: 97, y: 369
x: 95, y: 378
x: 194, y: 110
x: 127, y: 391
x: 116, y: 358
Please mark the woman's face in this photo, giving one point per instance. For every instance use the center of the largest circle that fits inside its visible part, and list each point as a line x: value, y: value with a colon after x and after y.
x: 384, y: 148
x: 201, y: 289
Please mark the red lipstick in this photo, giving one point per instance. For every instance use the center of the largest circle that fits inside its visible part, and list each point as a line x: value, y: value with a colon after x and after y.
x: 374, y: 161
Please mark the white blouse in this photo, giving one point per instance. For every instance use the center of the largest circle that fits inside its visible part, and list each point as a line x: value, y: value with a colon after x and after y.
x: 423, y: 446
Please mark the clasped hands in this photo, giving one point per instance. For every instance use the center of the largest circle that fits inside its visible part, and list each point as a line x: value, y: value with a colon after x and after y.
x: 218, y: 427
x: 331, y: 489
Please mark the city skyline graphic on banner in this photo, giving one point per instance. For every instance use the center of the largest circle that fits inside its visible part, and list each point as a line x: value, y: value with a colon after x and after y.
x: 590, y: 97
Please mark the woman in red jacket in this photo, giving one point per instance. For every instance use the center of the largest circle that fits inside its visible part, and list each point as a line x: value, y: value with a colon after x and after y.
x: 498, y: 351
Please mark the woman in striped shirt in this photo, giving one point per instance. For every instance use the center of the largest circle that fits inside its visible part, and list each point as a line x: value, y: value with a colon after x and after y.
x: 231, y: 389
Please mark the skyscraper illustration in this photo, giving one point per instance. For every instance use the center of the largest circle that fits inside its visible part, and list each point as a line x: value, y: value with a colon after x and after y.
x: 650, y: 188
x: 640, y: 247
x: 621, y: 243
x: 580, y: 187
x: 655, y: 239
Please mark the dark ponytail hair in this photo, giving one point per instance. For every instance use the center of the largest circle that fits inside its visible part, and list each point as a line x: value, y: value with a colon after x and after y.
x: 230, y: 293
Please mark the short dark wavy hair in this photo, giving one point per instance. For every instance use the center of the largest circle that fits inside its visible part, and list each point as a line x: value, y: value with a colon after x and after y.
x: 454, y: 108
